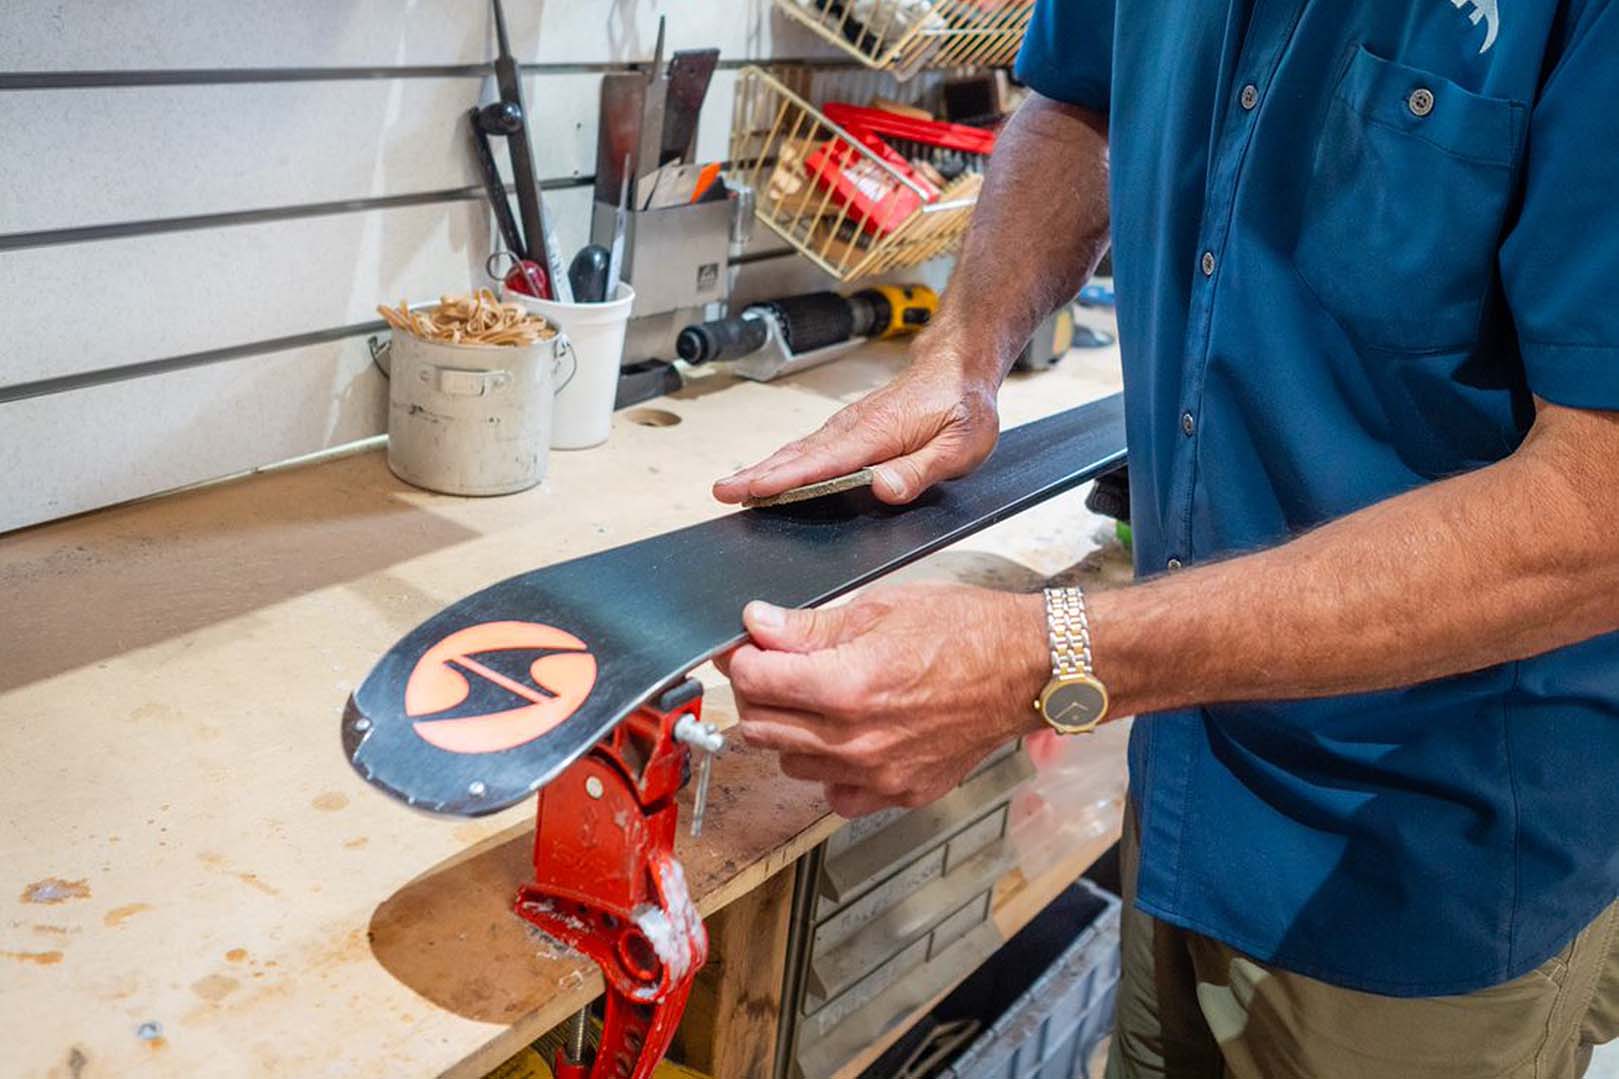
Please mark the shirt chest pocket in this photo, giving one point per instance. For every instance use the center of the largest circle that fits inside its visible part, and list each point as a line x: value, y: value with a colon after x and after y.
x: 1407, y: 195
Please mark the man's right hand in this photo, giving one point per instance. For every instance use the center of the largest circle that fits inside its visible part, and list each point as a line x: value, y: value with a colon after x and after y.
x: 932, y: 423
x: 1018, y: 264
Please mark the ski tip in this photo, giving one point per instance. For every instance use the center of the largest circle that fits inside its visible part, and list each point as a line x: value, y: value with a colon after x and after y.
x: 356, y: 728
x: 476, y: 798
x: 819, y: 489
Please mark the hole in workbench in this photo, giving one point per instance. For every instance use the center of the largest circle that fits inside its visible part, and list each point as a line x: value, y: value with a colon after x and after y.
x: 652, y: 417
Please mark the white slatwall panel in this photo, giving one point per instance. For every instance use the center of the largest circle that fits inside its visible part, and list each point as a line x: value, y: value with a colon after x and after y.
x: 102, y: 35
x: 94, y: 447
x: 222, y: 149
x: 84, y: 35
x: 188, y: 292
x: 83, y: 156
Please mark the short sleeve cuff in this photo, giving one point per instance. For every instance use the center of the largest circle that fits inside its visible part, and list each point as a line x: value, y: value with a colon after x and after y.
x: 1067, y: 53
x: 1051, y: 80
x: 1575, y: 376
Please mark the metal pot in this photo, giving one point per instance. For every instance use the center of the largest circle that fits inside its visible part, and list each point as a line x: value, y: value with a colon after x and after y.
x: 473, y: 419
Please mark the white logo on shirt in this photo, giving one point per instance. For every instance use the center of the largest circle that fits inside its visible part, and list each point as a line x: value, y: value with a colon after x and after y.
x: 1483, y: 11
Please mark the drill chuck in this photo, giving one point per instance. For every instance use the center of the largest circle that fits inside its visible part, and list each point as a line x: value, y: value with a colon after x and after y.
x: 722, y: 339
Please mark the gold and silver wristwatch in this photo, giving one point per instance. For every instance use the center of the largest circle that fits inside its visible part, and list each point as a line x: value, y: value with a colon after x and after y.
x: 1074, y: 701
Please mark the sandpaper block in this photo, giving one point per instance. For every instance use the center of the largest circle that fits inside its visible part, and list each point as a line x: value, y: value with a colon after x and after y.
x: 820, y: 488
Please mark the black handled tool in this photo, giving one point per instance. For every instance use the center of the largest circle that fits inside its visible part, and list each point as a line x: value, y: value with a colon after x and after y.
x: 515, y: 128
x: 508, y: 118
x: 588, y: 274
x: 504, y: 118
x: 492, y: 185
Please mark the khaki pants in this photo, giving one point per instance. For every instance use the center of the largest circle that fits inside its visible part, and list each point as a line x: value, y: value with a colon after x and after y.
x: 1192, y: 1008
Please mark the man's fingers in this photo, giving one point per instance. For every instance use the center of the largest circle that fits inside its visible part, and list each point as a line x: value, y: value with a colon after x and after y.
x: 784, y: 629
x: 813, y: 768
x: 784, y: 732
x: 780, y: 729
x: 787, y: 730
x: 851, y: 802
x: 723, y: 660
x: 818, y: 682
x: 904, y: 478
x: 812, y: 683
x: 838, y: 448
x: 820, y: 459
x: 734, y: 488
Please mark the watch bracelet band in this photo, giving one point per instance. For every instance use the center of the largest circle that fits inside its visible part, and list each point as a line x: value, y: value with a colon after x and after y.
x: 1068, y: 631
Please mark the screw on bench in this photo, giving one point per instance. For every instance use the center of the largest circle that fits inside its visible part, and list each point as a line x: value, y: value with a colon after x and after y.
x: 706, y: 739
x: 576, y: 1035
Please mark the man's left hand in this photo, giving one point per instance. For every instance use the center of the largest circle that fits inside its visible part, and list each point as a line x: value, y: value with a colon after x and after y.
x: 891, y: 699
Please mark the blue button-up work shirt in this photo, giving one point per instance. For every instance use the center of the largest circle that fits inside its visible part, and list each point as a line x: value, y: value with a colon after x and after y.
x: 1353, y: 240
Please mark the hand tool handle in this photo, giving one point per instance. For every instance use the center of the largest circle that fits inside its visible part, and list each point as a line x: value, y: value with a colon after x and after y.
x: 528, y: 277
x: 537, y: 227
x: 971, y: 140
x: 528, y: 193
x: 494, y: 188
x: 588, y: 274
x: 615, y: 262
x: 561, y: 290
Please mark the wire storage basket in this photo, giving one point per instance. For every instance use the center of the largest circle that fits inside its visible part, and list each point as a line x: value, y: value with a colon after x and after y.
x: 846, y: 199
x: 905, y: 36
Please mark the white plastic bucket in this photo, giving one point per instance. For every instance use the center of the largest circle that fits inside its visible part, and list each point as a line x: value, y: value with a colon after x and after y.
x: 472, y: 419
x: 584, y: 410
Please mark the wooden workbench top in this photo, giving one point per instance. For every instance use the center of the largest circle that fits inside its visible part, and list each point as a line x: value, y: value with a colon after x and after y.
x: 194, y: 882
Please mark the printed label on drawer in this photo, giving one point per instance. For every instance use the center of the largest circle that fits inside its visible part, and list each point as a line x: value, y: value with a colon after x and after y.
x: 866, y: 989
x: 860, y: 828
x: 840, y: 924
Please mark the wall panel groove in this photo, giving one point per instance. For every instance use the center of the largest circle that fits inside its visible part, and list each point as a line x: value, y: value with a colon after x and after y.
x: 44, y: 387
x: 81, y: 80
x: 18, y: 241
x: 72, y: 452
x: 47, y: 36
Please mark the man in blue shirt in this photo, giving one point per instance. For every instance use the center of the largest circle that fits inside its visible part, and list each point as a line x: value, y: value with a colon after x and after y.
x: 1366, y: 260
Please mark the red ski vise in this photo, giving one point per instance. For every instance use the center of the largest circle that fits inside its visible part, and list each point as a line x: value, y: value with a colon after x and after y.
x: 606, y: 882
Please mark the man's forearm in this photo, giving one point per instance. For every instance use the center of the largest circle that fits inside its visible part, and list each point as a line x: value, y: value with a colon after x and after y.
x: 1495, y: 565
x: 1027, y: 253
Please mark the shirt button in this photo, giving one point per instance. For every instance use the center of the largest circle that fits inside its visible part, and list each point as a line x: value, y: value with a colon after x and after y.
x: 1173, y: 564
x: 1188, y: 423
x: 1420, y: 102
x: 1208, y: 264
x: 1250, y: 96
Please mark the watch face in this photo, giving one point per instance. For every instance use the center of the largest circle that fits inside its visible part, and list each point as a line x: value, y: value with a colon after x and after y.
x: 1074, y: 704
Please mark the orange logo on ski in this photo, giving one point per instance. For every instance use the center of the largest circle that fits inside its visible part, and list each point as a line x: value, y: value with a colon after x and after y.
x: 560, y: 682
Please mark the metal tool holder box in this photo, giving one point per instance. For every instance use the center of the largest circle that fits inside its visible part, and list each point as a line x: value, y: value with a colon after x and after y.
x: 674, y: 257
x: 894, y: 908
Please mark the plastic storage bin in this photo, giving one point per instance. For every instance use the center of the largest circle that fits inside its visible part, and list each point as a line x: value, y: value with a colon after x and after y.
x: 1052, y: 1029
